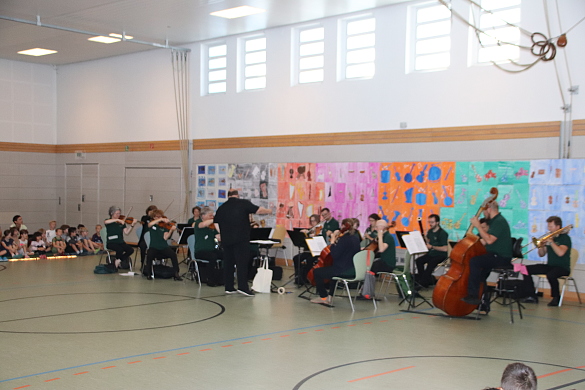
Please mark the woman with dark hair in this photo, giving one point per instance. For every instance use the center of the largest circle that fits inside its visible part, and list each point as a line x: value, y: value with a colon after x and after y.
x: 371, y: 232
x: 146, y: 218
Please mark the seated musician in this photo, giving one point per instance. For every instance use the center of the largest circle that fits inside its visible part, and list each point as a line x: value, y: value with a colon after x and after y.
x: 558, y: 251
x: 371, y: 232
x: 330, y: 224
x: 115, y: 229
x: 343, y: 248
x: 386, y: 249
x: 206, y: 237
x: 437, y: 243
x: 498, y: 243
x: 356, y: 227
x: 159, y: 247
x: 304, y: 261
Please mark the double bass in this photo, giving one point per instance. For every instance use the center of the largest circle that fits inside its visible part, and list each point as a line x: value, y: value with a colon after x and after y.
x: 325, y: 258
x: 452, y: 286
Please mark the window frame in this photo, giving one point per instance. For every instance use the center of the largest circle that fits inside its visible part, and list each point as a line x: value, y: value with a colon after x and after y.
x: 343, y: 37
x: 242, y: 65
x: 206, y: 69
x: 297, y: 57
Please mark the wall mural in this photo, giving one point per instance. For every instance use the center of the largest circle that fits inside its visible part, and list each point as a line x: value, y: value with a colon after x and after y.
x: 529, y: 192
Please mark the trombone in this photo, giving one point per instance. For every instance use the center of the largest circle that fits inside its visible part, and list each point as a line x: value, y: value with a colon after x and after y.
x: 540, y: 241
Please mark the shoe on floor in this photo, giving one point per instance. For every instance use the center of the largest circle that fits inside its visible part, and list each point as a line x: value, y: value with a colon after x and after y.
x: 530, y: 300
x: 231, y: 291
x: 247, y: 293
x: 470, y: 300
x: 554, y: 302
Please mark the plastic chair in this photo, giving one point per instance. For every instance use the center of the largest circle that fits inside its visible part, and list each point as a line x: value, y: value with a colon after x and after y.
x: 566, y: 279
x: 397, y: 275
x: 360, y: 263
x: 107, y: 252
x: 280, y: 234
x: 195, y: 268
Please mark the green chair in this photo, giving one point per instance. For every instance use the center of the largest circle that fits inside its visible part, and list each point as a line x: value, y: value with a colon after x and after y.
x: 400, y: 277
x: 361, y: 262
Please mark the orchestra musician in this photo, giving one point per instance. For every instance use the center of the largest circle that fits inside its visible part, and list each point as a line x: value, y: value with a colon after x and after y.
x: 146, y: 218
x: 304, y: 261
x: 206, y: 237
x: 115, y: 230
x: 196, y: 216
x: 159, y: 247
x: 343, y: 247
x: 498, y: 243
x: 330, y: 224
x: 315, y: 226
x: 371, y: 232
x: 232, y: 218
x: 437, y: 240
x: 386, y: 249
x: 558, y: 252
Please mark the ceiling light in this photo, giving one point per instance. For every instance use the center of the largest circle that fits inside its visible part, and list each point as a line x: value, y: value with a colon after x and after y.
x: 37, y: 52
x: 102, y: 39
x: 238, y: 12
x: 121, y: 36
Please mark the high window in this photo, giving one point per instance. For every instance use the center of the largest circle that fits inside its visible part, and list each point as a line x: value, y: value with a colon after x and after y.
x: 253, y: 63
x: 358, y: 48
x: 497, y: 19
x: 431, y: 37
x: 216, y: 66
x: 310, y: 57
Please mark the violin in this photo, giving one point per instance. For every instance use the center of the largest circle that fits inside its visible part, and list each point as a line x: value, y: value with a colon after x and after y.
x: 373, y: 245
x: 166, y: 225
x: 128, y: 220
x: 325, y: 258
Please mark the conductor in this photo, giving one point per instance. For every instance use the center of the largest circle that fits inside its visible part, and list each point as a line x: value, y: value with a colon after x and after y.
x: 233, y: 221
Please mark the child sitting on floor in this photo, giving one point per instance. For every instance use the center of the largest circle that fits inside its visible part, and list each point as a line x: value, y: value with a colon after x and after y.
x: 86, y: 243
x: 38, y: 246
x: 58, y: 243
x: 50, y: 233
x: 97, y: 237
x: 73, y: 245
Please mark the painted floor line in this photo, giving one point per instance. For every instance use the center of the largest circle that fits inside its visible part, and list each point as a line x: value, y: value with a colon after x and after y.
x: 383, y: 373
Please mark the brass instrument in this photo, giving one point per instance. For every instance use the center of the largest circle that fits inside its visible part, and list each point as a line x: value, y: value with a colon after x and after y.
x: 540, y: 241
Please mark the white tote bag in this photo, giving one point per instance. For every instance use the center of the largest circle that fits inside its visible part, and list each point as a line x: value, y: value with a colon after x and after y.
x: 263, y: 278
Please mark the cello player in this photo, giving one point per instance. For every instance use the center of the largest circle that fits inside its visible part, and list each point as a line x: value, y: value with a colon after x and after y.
x: 343, y: 248
x: 498, y: 243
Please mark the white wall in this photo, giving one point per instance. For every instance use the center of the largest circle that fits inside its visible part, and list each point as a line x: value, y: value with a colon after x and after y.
x: 131, y: 97
x: 27, y: 103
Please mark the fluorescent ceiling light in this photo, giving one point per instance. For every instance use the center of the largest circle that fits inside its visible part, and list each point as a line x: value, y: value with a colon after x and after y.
x: 121, y: 36
x: 238, y: 12
x: 37, y: 52
x: 102, y: 39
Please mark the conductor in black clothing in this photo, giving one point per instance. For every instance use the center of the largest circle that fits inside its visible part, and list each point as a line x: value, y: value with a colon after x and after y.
x: 343, y: 248
x: 233, y: 218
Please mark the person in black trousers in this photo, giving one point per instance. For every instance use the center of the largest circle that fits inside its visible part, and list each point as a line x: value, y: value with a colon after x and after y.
x: 233, y: 220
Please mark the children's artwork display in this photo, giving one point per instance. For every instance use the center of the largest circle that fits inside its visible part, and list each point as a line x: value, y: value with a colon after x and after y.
x: 401, y: 192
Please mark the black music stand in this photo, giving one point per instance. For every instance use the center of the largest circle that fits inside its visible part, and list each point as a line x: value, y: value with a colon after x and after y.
x: 298, y: 239
x: 185, y: 233
x: 414, y: 253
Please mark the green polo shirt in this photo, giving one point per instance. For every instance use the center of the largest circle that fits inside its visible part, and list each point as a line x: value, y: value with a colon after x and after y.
x: 498, y: 227
x: 115, y: 232
x: 438, y: 238
x: 204, y: 238
x: 331, y: 226
x: 563, y: 261
x: 157, y: 239
x: 389, y: 255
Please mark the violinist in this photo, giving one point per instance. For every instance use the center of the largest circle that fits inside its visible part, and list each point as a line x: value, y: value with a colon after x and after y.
x: 498, y: 243
x: 343, y: 248
x: 436, y: 240
x: 314, y: 224
x: 196, y: 216
x: 146, y: 218
x: 371, y: 232
x: 115, y: 230
x: 330, y: 224
x: 304, y: 261
x: 206, y: 237
x: 386, y: 249
x: 161, y: 229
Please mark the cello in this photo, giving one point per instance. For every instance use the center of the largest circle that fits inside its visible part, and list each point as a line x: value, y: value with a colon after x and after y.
x: 452, y: 286
x: 325, y: 258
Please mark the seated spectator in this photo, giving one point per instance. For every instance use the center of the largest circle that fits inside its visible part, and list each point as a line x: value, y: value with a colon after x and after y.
x: 65, y: 232
x: 10, y: 244
x: 97, y: 237
x: 17, y: 223
x: 518, y: 376
x: 50, y: 233
x: 73, y: 244
x: 23, y: 244
x: 87, y: 245
x: 4, y: 250
x: 58, y: 243
x: 38, y: 246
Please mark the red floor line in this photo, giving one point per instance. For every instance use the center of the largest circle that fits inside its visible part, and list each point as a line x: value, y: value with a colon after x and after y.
x: 319, y: 330
x: 554, y: 373
x: 285, y: 335
x: 383, y: 373
x: 384, y: 321
x: 137, y: 361
x: 302, y: 332
x: 226, y: 346
x: 51, y: 380
x: 335, y: 327
x: 247, y: 342
x: 351, y: 325
x: 398, y: 319
x: 160, y: 357
x: 184, y: 353
x: 81, y: 373
x: 203, y: 350
x: 21, y: 387
x: 105, y: 368
x: 269, y: 338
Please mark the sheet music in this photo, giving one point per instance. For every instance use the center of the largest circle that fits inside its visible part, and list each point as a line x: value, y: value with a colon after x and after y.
x: 415, y: 242
x: 316, y: 244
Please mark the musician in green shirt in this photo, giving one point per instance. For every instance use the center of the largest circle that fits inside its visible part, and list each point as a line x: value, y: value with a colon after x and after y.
x: 330, y: 224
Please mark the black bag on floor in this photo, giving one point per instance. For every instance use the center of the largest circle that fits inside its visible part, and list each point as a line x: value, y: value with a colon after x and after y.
x: 276, y: 272
x: 163, y: 272
x: 212, y: 273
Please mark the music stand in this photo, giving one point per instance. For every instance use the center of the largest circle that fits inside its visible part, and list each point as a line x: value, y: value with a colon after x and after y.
x: 415, y: 245
x: 260, y: 234
x: 185, y: 233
